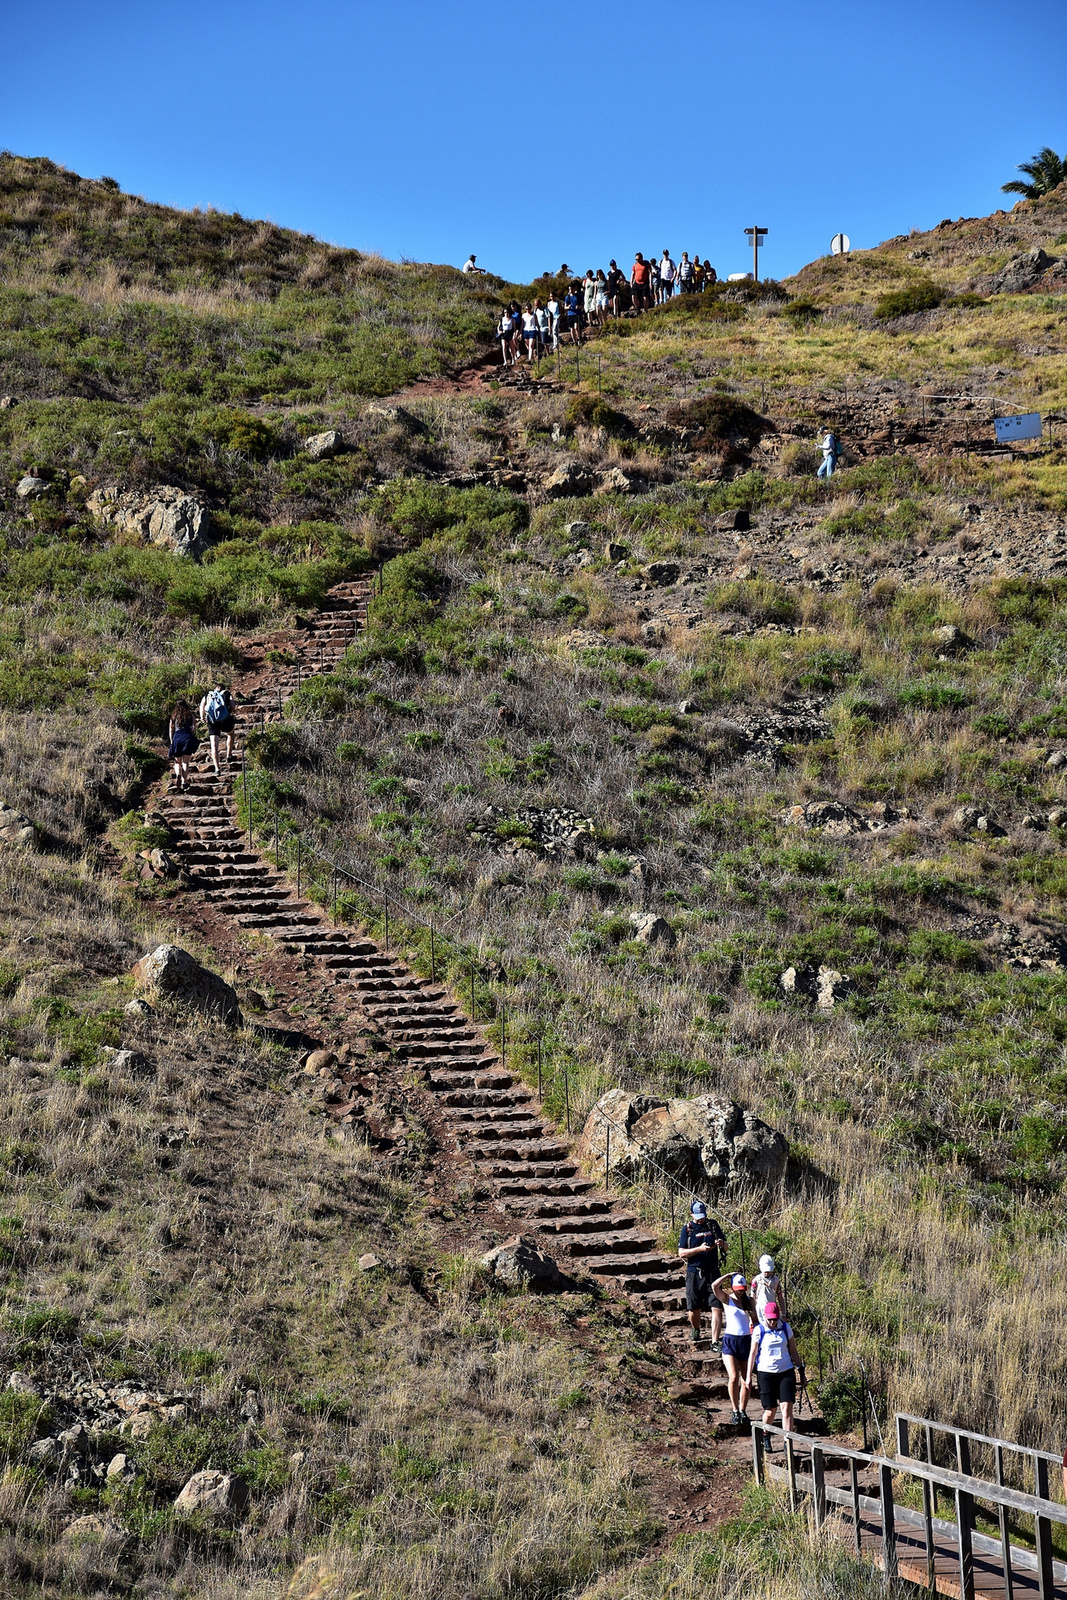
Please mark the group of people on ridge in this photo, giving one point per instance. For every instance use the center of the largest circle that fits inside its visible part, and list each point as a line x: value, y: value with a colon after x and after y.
x: 748, y: 1324
x: 529, y: 331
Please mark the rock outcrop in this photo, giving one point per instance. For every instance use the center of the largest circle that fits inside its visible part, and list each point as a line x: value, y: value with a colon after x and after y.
x: 825, y: 985
x: 14, y: 827
x: 706, y: 1142
x: 165, y: 516
x: 651, y: 929
x: 175, y: 972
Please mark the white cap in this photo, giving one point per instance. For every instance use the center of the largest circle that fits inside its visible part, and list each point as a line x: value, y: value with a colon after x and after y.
x: 766, y: 1263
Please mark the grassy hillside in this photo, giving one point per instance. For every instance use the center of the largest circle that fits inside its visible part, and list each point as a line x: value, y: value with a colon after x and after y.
x: 698, y: 641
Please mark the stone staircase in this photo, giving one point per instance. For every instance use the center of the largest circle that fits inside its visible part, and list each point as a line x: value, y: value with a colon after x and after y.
x: 493, y: 1117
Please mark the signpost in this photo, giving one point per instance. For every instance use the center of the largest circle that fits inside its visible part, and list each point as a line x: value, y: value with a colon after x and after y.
x: 1026, y: 426
x: 757, y: 236
x: 840, y: 244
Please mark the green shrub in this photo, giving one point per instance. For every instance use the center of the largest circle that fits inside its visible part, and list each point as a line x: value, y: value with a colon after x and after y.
x: 924, y: 295
x: 801, y: 311
x: 593, y: 412
x: 241, y: 431
x: 22, y: 1418
x: 933, y: 697
x: 716, y: 418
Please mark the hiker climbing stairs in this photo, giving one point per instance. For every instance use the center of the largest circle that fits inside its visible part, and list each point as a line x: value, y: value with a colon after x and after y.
x: 493, y: 1117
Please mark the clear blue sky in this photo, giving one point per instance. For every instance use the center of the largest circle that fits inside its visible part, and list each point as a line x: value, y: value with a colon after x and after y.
x: 426, y: 130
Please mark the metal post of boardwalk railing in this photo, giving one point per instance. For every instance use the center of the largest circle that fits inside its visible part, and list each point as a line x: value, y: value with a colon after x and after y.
x: 275, y: 835
x: 298, y: 853
x: 335, y: 894
x: 855, y: 1486
x: 607, y: 1156
x: 758, y: 1464
x: 791, y: 1472
x: 503, y: 1033
x: 964, y: 1549
x: 818, y: 1484
x: 473, y: 1011
x: 889, y: 1529
x: 433, y: 957
x: 567, y: 1093
x: 539, y: 1066
x: 385, y: 908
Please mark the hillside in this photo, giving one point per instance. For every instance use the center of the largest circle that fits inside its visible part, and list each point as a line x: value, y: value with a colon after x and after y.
x: 808, y: 724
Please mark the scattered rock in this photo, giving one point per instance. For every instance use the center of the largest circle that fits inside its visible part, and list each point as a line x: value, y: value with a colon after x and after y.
x: 7, y: 401
x: 825, y: 985
x: 165, y: 516
x: 950, y: 640
x: 251, y: 1407
x: 1057, y: 817
x: 762, y: 735
x: 570, y: 478
x: 44, y: 1452
x: 708, y: 1140
x: 1056, y: 760
x: 138, y: 1008
x: 125, y: 1060
x: 519, y: 1261
x: 733, y: 521
x: 323, y: 445
x: 837, y: 820
x: 22, y: 1383
x: 553, y: 832
x: 1034, y: 824
x: 662, y: 573
x: 577, y: 530
x: 689, y: 1393
x: 652, y: 929
x: 94, y: 1529
x: 122, y: 1468
x: 615, y: 481
x: 14, y: 827
x: 316, y: 1060
x: 969, y: 819
x: 158, y: 864
x: 368, y: 1262
x: 615, y: 552
x: 212, y: 1494
x: 1023, y: 948
x: 173, y: 971
x: 396, y: 416
x: 31, y: 488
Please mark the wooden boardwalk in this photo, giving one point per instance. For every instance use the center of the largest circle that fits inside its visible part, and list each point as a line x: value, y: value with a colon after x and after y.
x: 853, y: 1494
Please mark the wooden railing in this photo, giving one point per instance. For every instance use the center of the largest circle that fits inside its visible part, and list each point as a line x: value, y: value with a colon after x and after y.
x: 890, y: 1520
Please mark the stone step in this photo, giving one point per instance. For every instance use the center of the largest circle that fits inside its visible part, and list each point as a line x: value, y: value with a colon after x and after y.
x: 605, y: 1221
x: 484, y: 1131
x: 546, y: 1185
x: 524, y: 1177
x: 510, y: 1121
x: 562, y: 1209
x: 602, y: 1246
x: 477, y: 1099
x: 528, y: 1158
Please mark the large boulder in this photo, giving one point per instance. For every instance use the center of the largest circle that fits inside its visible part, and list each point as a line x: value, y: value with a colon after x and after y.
x: 570, y: 478
x: 519, y: 1262
x: 708, y: 1141
x: 175, y: 972
x: 1021, y: 272
x: 163, y: 516
x: 211, y: 1494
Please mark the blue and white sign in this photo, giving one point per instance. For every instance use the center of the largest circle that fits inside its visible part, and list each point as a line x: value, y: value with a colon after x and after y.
x: 1027, y: 426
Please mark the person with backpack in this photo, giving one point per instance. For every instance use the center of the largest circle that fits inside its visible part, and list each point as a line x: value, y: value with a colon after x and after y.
x: 572, y: 311
x: 700, y: 1245
x: 183, y: 741
x: 666, y: 276
x: 710, y: 275
x: 739, y: 1316
x: 830, y: 453
x: 765, y: 1286
x: 615, y: 279
x: 219, y: 712
x: 775, y: 1361
x: 685, y: 274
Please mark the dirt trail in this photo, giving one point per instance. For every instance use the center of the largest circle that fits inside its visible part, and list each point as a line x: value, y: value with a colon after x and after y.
x: 399, y: 1043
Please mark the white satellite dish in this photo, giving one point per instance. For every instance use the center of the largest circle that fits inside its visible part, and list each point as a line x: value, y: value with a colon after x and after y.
x: 738, y: 277
x: 840, y: 244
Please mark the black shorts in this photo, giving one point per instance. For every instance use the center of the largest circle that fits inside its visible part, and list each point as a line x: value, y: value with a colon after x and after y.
x: 698, y: 1295
x: 226, y: 725
x: 776, y: 1388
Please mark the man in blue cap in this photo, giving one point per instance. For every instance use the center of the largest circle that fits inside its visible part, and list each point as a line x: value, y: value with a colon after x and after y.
x: 700, y: 1246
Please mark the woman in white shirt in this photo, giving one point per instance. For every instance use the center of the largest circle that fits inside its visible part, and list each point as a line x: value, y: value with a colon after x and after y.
x: 529, y: 333
x: 731, y: 1290
x: 775, y: 1361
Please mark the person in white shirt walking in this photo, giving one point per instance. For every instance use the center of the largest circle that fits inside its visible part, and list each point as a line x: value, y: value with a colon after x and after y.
x: 739, y: 1314
x: 775, y: 1361
x: 830, y: 453
x: 667, y: 273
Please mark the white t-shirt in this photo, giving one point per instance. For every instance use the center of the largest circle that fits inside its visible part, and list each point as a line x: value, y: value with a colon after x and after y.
x: 765, y: 1286
x: 469, y: 265
x: 529, y: 324
x: 666, y: 269
x: 736, y: 1321
x: 773, y: 1347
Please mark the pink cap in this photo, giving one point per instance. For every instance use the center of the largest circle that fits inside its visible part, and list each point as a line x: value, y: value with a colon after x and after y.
x: 770, y: 1309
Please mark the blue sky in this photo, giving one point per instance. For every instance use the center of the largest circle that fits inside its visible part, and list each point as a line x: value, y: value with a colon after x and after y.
x: 536, y: 136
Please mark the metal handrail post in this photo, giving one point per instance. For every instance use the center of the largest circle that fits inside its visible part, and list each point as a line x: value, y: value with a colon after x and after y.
x: 433, y: 957
x: 758, y: 1464
x: 818, y: 1484
x: 964, y: 1546
x: 889, y: 1527
x: 791, y: 1472
x: 855, y: 1485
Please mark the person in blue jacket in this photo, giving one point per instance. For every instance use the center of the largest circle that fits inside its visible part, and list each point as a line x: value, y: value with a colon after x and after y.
x: 701, y: 1246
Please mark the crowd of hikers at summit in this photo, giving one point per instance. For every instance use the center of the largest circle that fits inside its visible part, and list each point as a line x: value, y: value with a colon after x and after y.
x: 748, y: 1324
x: 572, y: 303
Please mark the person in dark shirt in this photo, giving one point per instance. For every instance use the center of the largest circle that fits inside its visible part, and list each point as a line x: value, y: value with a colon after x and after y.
x: 700, y: 1246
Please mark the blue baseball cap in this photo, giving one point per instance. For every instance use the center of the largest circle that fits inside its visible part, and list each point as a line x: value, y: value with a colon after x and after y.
x: 698, y: 1208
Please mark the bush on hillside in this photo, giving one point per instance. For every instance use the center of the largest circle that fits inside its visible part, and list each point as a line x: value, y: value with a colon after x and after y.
x: 801, y: 311
x: 925, y: 295
x: 716, y: 419
x: 589, y: 410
